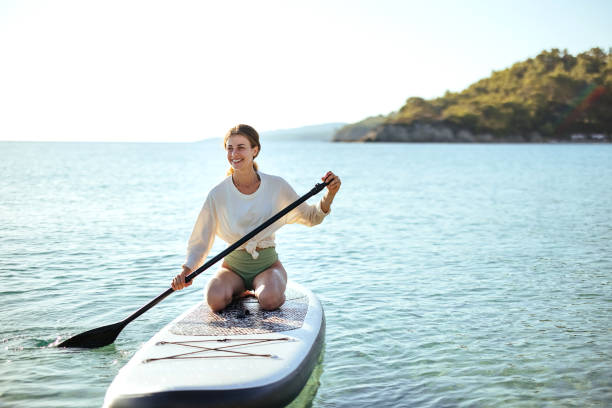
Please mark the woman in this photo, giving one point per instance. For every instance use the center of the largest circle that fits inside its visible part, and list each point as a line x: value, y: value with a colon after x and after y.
x: 236, y: 206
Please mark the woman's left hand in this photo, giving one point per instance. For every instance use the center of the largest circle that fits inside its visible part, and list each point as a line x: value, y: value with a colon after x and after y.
x: 334, y: 184
x: 332, y: 189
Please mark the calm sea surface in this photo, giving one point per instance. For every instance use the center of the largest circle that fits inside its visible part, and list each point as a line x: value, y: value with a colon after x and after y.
x: 451, y: 275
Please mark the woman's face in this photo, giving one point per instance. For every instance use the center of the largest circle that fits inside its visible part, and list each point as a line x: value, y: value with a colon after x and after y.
x: 240, y: 154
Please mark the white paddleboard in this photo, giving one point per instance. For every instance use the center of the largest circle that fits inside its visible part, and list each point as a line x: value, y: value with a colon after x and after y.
x: 241, y: 357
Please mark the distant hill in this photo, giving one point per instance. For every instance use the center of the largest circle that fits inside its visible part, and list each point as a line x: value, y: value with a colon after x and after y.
x: 322, y: 132
x: 553, y: 97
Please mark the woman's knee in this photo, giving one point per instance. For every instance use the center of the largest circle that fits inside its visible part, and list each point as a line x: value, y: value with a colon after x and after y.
x: 218, y: 295
x: 270, y: 287
x: 270, y: 300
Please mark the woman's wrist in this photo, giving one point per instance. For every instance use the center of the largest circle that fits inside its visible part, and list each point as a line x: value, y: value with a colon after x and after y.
x: 326, y: 202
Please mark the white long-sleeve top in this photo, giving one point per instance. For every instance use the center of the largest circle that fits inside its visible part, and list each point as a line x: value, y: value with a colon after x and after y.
x: 230, y: 214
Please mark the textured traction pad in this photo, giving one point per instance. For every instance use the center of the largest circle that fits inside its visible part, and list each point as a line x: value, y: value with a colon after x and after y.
x: 244, y: 316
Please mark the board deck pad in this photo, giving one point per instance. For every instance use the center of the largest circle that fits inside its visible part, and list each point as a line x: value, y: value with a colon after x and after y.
x: 244, y: 316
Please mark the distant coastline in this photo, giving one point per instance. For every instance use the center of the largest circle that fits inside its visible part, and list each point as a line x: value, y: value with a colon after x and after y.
x: 423, y: 132
x: 554, y: 97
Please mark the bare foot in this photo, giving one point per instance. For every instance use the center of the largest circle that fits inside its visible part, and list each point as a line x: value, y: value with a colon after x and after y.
x: 247, y: 293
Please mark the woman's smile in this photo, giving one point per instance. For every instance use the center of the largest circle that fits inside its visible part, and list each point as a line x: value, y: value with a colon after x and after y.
x: 236, y: 162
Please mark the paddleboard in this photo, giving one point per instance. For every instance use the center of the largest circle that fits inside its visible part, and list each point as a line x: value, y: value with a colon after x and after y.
x: 241, y: 357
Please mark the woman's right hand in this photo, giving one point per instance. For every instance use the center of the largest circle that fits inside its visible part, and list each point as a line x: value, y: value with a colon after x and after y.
x: 178, y: 282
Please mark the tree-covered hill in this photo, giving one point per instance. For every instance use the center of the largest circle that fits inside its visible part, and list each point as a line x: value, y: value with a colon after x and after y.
x: 554, y: 96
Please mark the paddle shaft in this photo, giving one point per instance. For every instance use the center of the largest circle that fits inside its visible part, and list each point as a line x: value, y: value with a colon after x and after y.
x: 315, y: 190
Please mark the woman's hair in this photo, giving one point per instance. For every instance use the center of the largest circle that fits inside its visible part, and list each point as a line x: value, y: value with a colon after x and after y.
x: 250, y: 133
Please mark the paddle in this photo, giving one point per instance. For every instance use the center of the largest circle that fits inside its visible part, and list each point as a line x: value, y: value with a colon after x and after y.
x: 105, y: 335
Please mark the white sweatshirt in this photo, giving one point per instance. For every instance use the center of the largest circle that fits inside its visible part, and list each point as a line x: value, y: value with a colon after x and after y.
x: 231, y: 215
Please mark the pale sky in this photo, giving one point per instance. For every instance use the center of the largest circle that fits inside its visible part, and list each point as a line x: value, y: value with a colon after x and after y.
x: 188, y: 70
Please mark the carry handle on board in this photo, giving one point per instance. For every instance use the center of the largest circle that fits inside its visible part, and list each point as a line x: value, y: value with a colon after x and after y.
x: 105, y: 335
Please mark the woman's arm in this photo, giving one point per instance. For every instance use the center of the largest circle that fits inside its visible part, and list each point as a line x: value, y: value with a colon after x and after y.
x: 332, y: 189
x: 200, y: 243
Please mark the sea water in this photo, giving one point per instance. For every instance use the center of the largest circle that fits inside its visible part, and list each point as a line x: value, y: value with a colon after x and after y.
x: 451, y: 275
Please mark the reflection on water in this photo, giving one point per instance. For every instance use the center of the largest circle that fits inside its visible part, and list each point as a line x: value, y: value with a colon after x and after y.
x: 307, y: 395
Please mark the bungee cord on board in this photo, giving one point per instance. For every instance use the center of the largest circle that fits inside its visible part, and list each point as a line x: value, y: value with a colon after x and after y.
x: 224, y: 349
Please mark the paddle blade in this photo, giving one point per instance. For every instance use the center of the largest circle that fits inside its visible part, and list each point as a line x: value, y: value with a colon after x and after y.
x: 100, y: 337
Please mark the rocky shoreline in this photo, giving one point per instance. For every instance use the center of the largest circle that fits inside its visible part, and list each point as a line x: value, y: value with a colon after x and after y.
x: 419, y: 132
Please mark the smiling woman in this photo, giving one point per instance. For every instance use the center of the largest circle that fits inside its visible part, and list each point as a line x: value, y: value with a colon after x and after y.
x: 242, y: 146
x: 245, y: 199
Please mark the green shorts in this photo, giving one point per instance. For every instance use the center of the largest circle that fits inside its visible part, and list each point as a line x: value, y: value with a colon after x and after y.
x: 243, y: 264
